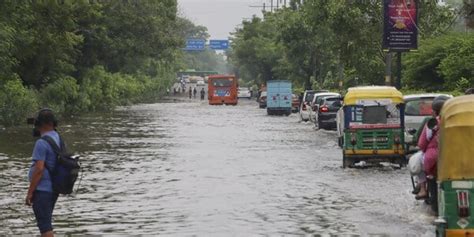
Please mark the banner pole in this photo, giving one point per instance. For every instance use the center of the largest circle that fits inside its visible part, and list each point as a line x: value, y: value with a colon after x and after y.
x: 388, y: 69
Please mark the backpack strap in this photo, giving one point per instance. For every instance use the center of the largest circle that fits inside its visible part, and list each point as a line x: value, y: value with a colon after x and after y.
x: 56, y: 149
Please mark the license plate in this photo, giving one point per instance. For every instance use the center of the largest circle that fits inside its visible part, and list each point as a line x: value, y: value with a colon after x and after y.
x: 376, y: 139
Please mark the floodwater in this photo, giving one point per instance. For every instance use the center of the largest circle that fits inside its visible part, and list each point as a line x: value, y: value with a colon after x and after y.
x: 192, y: 169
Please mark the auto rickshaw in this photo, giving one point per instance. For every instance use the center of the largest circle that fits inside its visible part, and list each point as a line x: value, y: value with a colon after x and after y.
x: 455, y: 175
x: 371, y: 126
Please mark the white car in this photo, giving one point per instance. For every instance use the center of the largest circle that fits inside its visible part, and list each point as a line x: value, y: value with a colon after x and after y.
x: 305, y: 106
x: 244, y: 93
x: 317, y: 98
x: 417, y: 108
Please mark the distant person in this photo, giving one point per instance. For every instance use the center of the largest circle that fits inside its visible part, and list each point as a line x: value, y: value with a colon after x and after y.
x: 167, y: 91
x: 40, y: 192
x: 174, y: 91
x: 251, y: 92
x: 195, y: 91
x: 203, y: 93
x: 190, y: 92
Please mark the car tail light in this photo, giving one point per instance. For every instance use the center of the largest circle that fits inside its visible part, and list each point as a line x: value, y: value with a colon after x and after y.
x: 324, y: 109
x: 463, y: 204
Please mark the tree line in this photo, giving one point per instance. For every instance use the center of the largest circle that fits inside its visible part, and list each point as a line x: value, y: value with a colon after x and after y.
x: 88, y: 55
x: 326, y: 44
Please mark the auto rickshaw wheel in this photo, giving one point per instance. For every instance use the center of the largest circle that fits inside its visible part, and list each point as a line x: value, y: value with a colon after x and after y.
x: 433, y: 194
x: 346, y: 161
x: 340, y: 141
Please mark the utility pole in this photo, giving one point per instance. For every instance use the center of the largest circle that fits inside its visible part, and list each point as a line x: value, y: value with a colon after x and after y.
x: 398, y: 82
x: 271, y: 6
x: 388, y: 69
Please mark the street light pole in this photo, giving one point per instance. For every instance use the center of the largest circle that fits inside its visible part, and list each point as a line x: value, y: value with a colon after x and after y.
x: 388, y: 69
x: 398, y: 82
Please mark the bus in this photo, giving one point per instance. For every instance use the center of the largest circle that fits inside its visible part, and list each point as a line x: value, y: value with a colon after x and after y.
x: 222, y: 89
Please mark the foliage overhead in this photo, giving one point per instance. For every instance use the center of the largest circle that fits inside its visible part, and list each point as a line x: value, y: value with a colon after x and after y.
x: 318, y: 43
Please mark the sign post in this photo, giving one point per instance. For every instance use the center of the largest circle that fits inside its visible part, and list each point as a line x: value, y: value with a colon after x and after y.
x: 195, y: 45
x: 400, y: 25
x: 219, y: 44
x: 400, y: 31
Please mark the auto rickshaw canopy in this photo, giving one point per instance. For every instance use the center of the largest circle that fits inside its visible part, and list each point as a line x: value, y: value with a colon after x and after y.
x: 456, y: 147
x: 372, y: 92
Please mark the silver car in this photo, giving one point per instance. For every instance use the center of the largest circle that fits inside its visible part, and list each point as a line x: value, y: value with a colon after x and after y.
x: 417, y: 108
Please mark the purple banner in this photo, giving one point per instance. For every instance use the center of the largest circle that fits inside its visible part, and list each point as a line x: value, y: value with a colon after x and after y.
x: 400, y: 25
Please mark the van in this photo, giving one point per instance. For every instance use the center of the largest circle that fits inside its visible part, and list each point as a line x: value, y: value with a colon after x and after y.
x: 279, y: 96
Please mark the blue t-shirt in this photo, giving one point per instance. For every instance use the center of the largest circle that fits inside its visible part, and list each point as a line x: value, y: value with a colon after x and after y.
x: 43, y: 151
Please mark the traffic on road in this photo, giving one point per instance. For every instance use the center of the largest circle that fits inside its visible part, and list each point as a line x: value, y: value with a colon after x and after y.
x: 275, y: 118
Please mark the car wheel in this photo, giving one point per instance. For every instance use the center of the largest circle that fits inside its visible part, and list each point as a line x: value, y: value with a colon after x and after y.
x: 344, y: 163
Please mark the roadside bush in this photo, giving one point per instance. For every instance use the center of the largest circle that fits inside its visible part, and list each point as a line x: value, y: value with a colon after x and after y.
x: 99, y: 90
x: 62, y: 96
x: 16, y: 102
x: 102, y: 90
x: 130, y: 88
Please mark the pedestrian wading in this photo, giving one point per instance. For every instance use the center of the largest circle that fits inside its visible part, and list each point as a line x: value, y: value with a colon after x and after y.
x: 53, y: 171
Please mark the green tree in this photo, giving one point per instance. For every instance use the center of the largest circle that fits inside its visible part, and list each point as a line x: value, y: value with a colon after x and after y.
x: 442, y: 63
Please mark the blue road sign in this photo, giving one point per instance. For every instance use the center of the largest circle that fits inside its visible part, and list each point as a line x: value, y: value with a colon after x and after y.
x: 219, y: 44
x: 195, y: 44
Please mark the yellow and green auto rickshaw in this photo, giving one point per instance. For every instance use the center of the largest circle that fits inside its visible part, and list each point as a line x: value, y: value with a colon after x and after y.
x: 371, y: 126
x: 456, y: 168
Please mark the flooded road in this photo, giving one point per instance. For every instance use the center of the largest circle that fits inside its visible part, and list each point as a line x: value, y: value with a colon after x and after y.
x: 190, y: 168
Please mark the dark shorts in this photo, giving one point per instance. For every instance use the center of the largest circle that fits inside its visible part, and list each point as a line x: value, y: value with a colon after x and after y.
x: 43, y: 205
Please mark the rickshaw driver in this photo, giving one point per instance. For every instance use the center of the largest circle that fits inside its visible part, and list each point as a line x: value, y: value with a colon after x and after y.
x: 428, y: 143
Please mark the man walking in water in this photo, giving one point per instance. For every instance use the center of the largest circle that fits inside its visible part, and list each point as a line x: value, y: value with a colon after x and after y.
x: 195, y: 91
x: 190, y: 92
x: 203, y: 93
x: 40, y: 192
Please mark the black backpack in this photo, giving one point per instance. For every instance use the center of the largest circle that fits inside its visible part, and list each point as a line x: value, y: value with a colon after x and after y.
x: 65, y: 173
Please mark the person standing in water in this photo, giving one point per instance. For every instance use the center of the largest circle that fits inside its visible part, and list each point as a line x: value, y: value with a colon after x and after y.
x: 190, y: 92
x: 41, y: 195
x: 195, y: 92
x: 203, y: 93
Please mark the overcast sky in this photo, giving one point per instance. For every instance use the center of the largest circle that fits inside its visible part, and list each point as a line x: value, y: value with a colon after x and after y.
x: 219, y: 16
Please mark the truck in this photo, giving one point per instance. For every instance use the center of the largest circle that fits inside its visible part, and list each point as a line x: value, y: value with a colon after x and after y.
x: 279, y: 98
